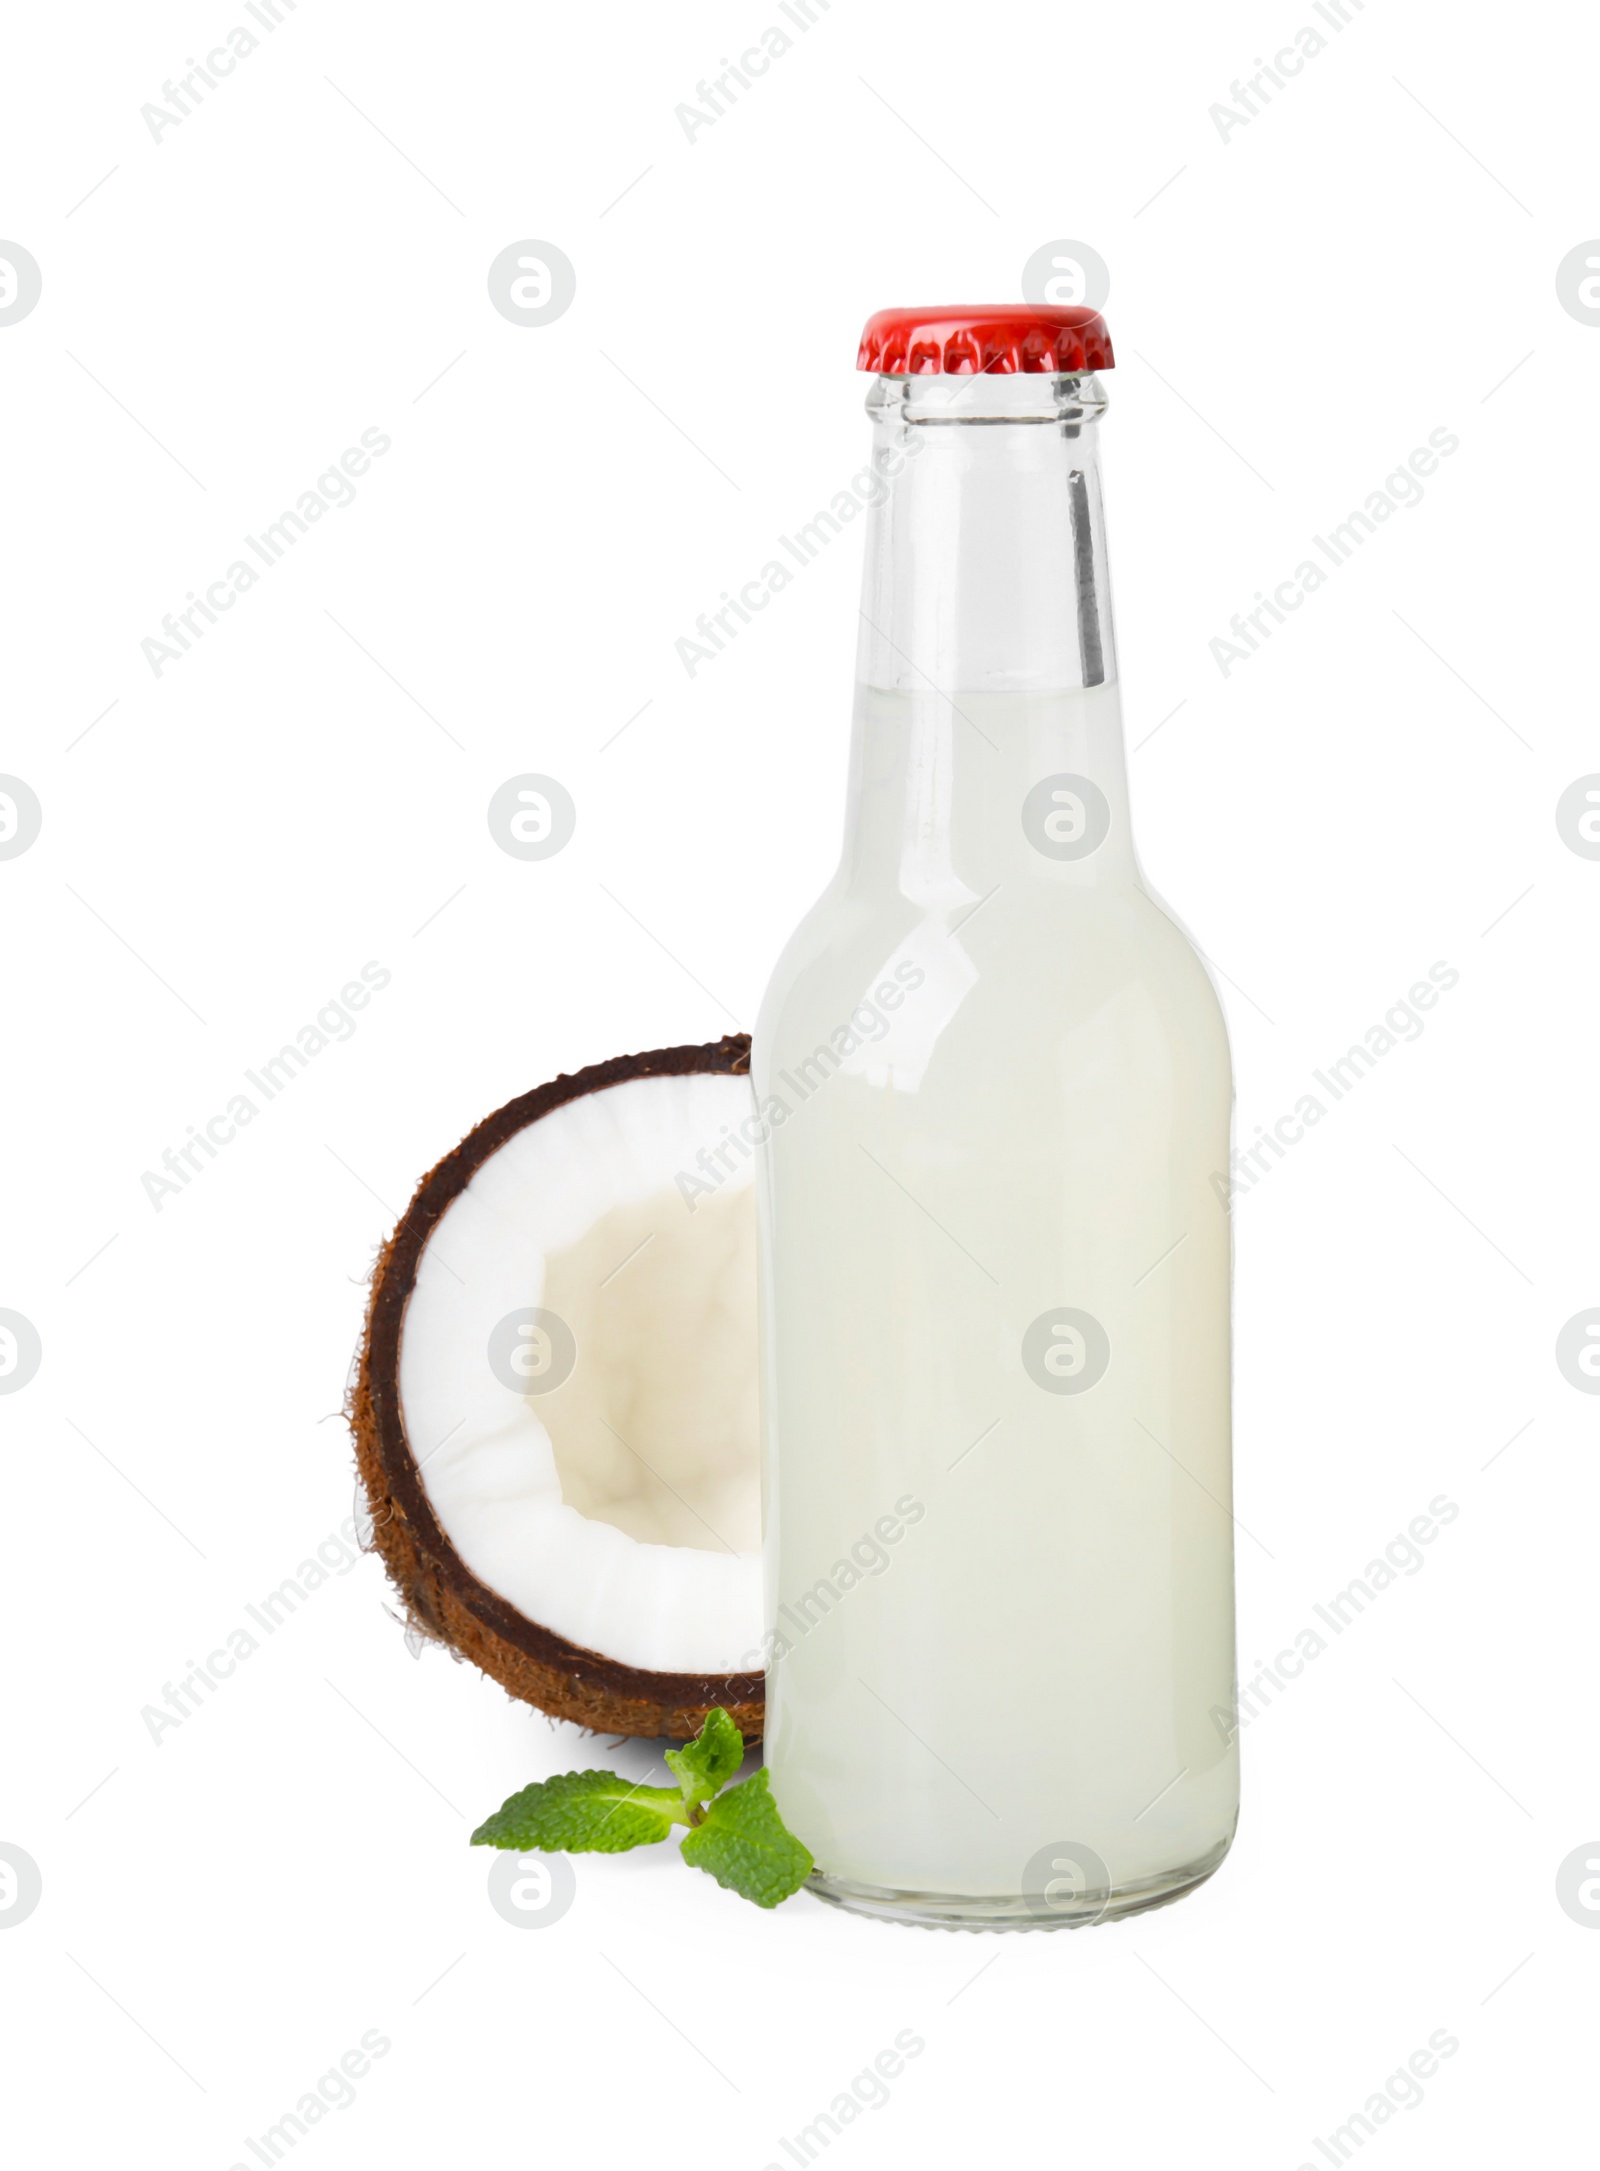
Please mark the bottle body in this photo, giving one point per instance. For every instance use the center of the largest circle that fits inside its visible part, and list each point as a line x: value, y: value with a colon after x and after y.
x: 995, y: 1275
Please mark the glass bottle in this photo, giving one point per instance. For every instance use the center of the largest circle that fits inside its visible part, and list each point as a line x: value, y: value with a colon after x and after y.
x: 995, y: 1265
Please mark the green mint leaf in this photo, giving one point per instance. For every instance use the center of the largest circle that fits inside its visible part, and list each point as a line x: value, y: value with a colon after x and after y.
x: 705, y: 1765
x: 745, y: 1845
x: 582, y: 1812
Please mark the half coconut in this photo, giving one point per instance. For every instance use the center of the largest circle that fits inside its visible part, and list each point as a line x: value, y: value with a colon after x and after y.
x: 555, y: 1402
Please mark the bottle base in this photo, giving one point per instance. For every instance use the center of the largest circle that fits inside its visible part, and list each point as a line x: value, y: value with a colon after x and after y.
x: 1016, y: 1911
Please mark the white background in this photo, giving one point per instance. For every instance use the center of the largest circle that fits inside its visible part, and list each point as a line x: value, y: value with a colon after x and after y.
x: 1370, y: 258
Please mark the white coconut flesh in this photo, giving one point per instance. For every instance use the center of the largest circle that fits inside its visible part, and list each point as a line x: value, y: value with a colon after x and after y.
x: 620, y: 1509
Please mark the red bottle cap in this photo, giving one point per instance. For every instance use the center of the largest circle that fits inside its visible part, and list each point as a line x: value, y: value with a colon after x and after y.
x: 1001, y: 339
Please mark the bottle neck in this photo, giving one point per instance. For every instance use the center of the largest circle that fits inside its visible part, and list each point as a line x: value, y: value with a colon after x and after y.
x: 986, y: 557
x: 988, y: 740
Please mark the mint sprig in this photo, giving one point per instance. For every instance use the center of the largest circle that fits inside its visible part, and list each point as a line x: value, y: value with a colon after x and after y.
x: 735, y: 1836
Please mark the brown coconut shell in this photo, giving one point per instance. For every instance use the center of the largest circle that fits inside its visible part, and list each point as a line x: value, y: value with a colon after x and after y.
x: 442, y: 1598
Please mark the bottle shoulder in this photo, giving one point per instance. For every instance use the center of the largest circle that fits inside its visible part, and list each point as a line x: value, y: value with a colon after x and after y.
x: 1029, y: 963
